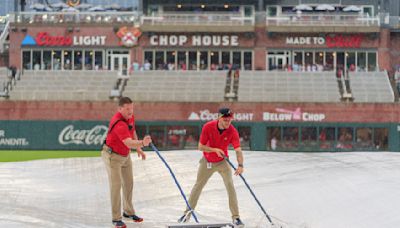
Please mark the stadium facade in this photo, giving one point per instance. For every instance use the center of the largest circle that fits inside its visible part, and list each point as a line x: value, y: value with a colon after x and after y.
x: 195, y: 36
x: 257, y: 35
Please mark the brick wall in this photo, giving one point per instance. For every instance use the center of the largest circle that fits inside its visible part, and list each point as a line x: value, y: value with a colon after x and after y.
x: 333, y: 112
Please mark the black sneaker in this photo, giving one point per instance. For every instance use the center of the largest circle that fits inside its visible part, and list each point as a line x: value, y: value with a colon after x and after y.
x: 184, y: 218
x: 135, y: 218
x: 118, y: 224
x: 237, y: 223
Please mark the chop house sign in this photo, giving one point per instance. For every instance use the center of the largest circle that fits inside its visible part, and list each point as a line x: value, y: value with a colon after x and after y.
x: 195, y: 40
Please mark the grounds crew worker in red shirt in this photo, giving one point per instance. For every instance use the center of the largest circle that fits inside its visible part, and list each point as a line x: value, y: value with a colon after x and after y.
x: 215, y: 138
x: 121, y: 138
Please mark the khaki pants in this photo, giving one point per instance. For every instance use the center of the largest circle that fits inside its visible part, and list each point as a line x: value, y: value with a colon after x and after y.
x: 204, y: 174
x: 119, y: 170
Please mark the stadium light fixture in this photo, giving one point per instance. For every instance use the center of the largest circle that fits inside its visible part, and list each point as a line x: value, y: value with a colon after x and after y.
x: 226, y: 6
x: 179, y: 6
x: 203, y: 6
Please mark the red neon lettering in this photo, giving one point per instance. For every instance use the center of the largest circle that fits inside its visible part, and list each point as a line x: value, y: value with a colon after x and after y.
x: 44, y: 39
x: 40, y: 38
x: 344, y: 41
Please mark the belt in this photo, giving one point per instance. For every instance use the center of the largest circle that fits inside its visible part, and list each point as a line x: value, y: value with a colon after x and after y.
x: 108, y: 149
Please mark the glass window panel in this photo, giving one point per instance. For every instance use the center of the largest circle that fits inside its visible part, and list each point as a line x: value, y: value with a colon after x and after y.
x: 171, y: 60
x: 308, y: 60
x: 140, y: 131
x: 226, y: 60
x: 148, y: 60
x: 329, y: 61
x: 192, y: 60
x: 157, y: 134
x: 203, y: 60
x: 381, y: 138
x: 214, y: 55
x: 272, y: 62
x: 26, y: 60
x: 192, y: 137
x: 273, y: 138
x: 47, y: 60
x: 182, y: 137
x: 77, y: 60
x: 272, y: 11
x: 298, y: 61
x: 37, y: 60
x: 89, y: 60
x: 364, y: 138
x: 98, y: 60
x: 372, y: 61
x: 108, y: 62
x: 236, y: 60
x: 326, y: 137
x: 319, y: 60
x: 351, y: 61
x: 182, y: 60
x: 115, y: 63
x: 67, y: 60
x: 124, y: 65
x: 160, y: 63
x: 56, y: 60
x: 176, y: 137
x: 308, y: 138
x: 248, y: 60
x: 290, y: 138
x: 245, y: 136
x: 345, y: 138
x: 361, y: 61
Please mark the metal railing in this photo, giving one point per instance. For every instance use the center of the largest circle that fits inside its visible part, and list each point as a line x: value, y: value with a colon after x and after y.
x: 75, y: 17
x: 197, y: 19
x: 393, y: 21
x: 3, y: 36
x: 323, y: 19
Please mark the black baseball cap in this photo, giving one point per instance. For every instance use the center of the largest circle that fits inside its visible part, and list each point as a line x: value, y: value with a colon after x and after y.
x: 225, y: 112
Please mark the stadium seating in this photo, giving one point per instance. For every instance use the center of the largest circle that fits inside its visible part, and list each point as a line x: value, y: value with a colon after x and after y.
x: 179, y: 86
x: 261, y: 86
x: 371, y: 87
x: 64, y: 85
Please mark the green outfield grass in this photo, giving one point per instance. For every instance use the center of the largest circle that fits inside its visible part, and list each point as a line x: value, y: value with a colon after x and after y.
x: 27, y: 155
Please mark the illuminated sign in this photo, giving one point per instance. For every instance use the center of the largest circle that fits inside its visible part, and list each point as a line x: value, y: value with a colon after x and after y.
x: 206, y: 115
x: 293, y: 115
x: 45, y: 39
x: 195, y: 40
x: 331, y: 41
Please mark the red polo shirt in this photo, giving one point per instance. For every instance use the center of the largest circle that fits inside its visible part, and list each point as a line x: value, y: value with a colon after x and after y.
x: 211, y: 137
x: 119, y: 133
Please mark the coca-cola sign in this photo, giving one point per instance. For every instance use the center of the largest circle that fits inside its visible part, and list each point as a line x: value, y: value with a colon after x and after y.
x: 93, y: 136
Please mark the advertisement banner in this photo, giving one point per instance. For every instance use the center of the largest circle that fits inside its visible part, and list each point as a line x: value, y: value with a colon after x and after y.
x: 52, y: 135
